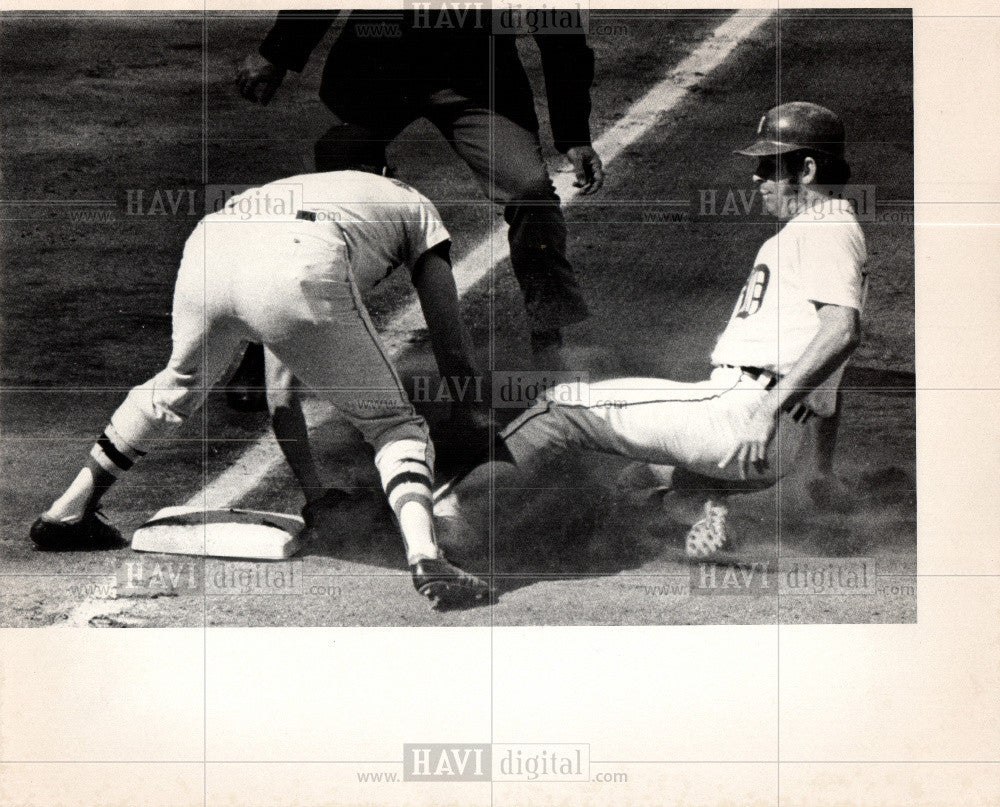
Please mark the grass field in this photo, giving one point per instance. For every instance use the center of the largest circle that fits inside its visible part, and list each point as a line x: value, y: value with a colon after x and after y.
x: 97, y: 110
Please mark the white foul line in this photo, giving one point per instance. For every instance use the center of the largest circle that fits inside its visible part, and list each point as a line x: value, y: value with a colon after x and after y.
x: 261, y: 459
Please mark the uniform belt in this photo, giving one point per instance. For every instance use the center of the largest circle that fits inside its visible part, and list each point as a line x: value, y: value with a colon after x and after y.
x: 800, y: 412
x: 306, y: 215
x: 755, y: 373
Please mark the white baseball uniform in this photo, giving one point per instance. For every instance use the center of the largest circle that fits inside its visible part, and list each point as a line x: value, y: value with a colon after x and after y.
x: 816, y: 258
x: 286, y: 264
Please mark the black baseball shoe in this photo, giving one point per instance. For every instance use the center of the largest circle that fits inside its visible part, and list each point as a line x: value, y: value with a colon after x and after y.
x: 445, y: 584
x: 92, y: 532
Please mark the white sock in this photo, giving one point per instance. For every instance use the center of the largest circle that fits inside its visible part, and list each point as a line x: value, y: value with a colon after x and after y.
x: 72, y: 505
x: 405, y: 469
x: 417, y: 526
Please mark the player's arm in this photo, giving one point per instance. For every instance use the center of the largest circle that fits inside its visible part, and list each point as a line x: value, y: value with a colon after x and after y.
x: 435, y: 285
x: 838, y: 335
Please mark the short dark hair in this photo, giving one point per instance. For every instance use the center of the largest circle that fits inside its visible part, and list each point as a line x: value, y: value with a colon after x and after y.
x: 830, y: 170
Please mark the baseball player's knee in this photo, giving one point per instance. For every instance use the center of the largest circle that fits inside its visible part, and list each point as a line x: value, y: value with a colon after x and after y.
x: 536, y: 223
x: 570, y: 393
x: 154, y: 409
x: 176, y: 395
x: 543, y: 430
x: 389, y: 429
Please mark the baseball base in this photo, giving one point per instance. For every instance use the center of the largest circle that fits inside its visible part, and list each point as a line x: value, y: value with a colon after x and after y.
x: 227, y: 533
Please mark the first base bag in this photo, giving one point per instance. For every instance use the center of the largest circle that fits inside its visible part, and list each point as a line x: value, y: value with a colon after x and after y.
x: 226, y: 533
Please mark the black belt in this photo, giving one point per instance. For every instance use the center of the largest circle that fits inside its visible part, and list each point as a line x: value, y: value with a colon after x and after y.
x: 306, y: 215
x: 755, y: 373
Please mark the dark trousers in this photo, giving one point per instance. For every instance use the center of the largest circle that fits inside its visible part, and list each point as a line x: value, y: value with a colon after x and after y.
x: 507, y: 160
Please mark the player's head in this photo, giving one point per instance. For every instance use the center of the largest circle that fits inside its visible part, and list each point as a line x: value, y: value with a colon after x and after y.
x: 800, y: 153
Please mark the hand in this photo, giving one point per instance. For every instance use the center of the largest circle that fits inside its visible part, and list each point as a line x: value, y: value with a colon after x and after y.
x: 751, y: 447
x: 256, y: 71
x: 588, y: 167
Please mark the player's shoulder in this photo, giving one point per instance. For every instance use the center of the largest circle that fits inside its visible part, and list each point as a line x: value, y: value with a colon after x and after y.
x: 360, y: 188
x: 389, y: 189
x: 830, y: 211
x: 831, y: 220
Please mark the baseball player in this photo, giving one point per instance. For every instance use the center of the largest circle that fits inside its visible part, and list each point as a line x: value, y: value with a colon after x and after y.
x: 285, y: 265
x: 775, y: 367
x: 462, y: 72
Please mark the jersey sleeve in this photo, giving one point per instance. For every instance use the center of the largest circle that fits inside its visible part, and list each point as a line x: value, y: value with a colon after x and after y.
x: 424, y: 230
x: 831, y: 260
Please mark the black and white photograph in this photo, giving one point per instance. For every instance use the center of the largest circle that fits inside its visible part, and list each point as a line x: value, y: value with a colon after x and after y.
x: 594, y: 337
x: 532, y: 317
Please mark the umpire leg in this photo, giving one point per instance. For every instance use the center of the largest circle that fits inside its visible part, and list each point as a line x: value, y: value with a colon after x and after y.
x: 507, y: 160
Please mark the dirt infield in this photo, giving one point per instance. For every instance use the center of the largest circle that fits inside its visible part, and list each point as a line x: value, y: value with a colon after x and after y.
x: 113, y: 128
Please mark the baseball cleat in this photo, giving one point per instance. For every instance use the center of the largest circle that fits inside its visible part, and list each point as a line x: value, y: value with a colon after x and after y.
x: 445, y: 584
x: 708, y: 534
x: 92, y: 532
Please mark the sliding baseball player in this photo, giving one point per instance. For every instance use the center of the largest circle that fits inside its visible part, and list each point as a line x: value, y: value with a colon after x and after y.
x: 775, y: 368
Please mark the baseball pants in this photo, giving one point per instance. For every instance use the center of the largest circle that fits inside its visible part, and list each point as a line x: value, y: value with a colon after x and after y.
x: 287, y: 286
x: 686, y: 425
x: 507, y: 161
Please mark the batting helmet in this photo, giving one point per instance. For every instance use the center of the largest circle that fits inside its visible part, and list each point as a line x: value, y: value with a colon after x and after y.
x: 795, y: 126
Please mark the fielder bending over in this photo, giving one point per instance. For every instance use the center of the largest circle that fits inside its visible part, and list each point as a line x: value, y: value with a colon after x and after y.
x: 286, y: 265
x: 776, y: 366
